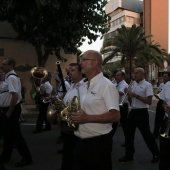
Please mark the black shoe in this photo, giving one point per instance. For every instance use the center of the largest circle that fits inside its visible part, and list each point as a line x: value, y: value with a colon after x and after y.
x: 36, y: 131
x: 155, y: 159
x: 125, y: 159
x: 23, y: 163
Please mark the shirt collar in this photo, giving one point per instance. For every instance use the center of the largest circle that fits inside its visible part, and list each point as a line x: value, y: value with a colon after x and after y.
x: 12, y: 71
x: 95, y: 79
x: 141, y: 81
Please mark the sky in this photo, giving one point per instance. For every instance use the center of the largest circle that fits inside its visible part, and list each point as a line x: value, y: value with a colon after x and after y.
x: 94, y: 46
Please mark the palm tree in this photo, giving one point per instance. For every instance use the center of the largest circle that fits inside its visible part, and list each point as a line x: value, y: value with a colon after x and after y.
x: 132, y: 46
x: 152, y: 54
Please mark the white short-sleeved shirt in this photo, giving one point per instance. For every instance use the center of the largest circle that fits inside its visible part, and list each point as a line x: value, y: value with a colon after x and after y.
x: 46, y: 88
x: 144, y: 89
x: 160, y: 87
x: 99, y: 98
x: 73, y: 91
x: 60, y: 89
x: 13, y: 84
x: 165, y: 93
x: 121, y: 86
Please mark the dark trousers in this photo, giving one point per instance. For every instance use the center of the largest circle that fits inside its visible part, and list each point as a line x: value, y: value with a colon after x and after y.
x: 123, y: 120
x: 12, y: 136
x: 158, y: 118
x: 2, y: 167
x: 93, y: 153
x: 42, y: 116
x: 164, y: 163
x: 69, y: 141
x: 139, y: 118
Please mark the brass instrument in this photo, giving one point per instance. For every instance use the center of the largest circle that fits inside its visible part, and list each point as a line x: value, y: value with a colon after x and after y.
x: 38, y: 73
x: 126, y: 93
x: 165, y: 134
x: 58, y: 109
x: 54, y: 110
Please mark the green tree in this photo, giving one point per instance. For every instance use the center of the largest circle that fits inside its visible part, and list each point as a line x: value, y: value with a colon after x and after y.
x: 52, y: 25
x: 131, y: 44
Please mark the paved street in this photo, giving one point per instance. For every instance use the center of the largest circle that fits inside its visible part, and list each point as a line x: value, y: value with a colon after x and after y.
x: 44, y: 148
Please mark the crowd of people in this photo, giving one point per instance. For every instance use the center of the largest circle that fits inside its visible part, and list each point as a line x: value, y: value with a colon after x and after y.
x: 102, y: 106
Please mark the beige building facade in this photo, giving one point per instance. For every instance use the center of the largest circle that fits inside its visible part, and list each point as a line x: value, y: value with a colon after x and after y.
x: 26, y: 58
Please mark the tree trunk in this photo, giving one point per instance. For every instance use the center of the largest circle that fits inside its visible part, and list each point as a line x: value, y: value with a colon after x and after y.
x: 129, y: 69
x: 42, y: 58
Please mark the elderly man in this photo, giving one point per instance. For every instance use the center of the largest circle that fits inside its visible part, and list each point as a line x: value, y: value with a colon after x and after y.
x: 99, y: 109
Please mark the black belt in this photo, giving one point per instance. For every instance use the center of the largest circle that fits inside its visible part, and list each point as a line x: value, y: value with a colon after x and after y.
x: 6, y: 108
x: 139, y: 109
x: 94, y: 138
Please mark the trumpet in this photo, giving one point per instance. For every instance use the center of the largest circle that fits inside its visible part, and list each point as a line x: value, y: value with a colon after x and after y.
x: 126, y: 93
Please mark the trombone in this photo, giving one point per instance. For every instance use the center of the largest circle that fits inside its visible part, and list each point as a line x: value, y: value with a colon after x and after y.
x: 126, y: 93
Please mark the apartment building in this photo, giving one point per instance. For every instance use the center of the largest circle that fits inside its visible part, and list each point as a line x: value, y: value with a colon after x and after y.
x: 122, y: 12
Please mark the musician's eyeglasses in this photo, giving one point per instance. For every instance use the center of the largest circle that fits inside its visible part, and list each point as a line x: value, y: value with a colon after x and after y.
x: 84, y: 59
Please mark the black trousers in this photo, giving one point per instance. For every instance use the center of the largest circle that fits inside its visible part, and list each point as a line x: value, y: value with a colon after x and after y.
x: 42, y: 116
x: 69, y: 141
x: 93, y: 153
x: 139, y: 118
x: 164, y: 163
x: 12, y: 136
x: 2, y: 167
x: 123, y: 120
x: 158, y: 118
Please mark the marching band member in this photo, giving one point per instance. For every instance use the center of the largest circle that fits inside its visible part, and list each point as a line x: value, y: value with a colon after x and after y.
x: 45, y: 92
x: 11, y: 108
x: 141, y: 98
x: 76, y: 89
x: 159, y: 109
x: 99, y: 108
x: 124, y: 108
x: 165, y: 128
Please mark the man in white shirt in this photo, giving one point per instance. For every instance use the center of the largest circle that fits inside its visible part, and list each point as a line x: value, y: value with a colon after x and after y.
x: 45, y: 92
x: 11, y: 109
x: 159, y: 115
x: 141, y: 97
x: 164, y: 163
x: 99, y: 109
x: 121, y: 86
x: 77, y: 89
